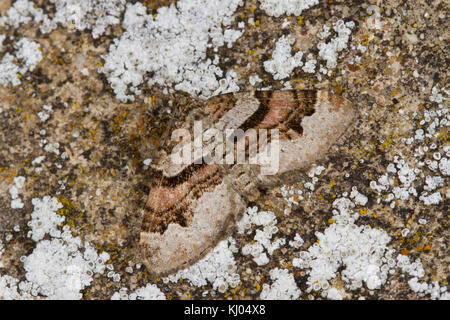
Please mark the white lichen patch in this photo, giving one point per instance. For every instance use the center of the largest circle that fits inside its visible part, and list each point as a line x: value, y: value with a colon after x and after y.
x: 149, y: 292
x: 21, y: 12
x: 29, y: 52
x: 58, y: 268
x: 329, y: 50
x: 283, y: 62
x: 297, y: 242
x: 282, y: 288
x: 359, y: 249
x: 29, y: 55
x: 362, y: 252
x: 335, y: 294
x: 277, y: 8
x: 262, y: 244
x: 18, y: 183
x: 96, y: 15
x: 217, y: 268
x: 172, y: 46
x: 44, y: 219
x: 8, y: 71
x: 293, y: 195
x: 404, y: 173
x: 44, y: 115
x: 310, y: 64
x: 409, y: 175
x: 87, y: 14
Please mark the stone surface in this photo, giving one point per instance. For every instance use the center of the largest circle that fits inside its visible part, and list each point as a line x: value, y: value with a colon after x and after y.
x: 95, y: 146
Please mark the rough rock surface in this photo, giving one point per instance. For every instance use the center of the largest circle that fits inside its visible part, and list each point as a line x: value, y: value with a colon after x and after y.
x: 96, y: 147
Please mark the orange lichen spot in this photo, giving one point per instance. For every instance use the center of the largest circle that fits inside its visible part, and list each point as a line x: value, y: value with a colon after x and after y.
x: 363, y: 211
x: 330, y: 221
x: 258, y: 286
x: 100, y: 64
x: 339, y: 89
x: 393, y: 92
x: 405, y: 252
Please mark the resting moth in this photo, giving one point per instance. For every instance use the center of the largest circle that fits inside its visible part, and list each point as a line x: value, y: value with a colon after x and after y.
x: 191, y: 206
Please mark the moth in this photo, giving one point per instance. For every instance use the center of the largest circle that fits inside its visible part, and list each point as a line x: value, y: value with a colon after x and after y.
x: 192, y: 205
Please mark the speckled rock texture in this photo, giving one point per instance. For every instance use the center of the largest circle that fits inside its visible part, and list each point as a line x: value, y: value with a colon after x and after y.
x: 96, y: 146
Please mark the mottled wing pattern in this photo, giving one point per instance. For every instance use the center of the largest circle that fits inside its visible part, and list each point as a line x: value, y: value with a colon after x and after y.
x: 319, y: 122
x: 192, y: 206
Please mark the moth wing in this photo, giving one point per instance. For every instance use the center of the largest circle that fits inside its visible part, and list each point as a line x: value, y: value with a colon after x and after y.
x: 212, y: 213
x: 331, y: 121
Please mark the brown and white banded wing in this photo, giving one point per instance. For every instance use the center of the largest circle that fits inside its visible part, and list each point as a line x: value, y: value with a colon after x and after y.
x: 322, y: 120
x: 185, y: 219
x: 226, y: 112
x: 191, y: 207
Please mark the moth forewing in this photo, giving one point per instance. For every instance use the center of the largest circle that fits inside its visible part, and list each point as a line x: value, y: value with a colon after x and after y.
x: 195, y: 204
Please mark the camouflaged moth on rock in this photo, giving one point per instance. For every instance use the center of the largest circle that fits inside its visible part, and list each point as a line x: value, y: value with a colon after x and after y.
x: 192, y: 206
